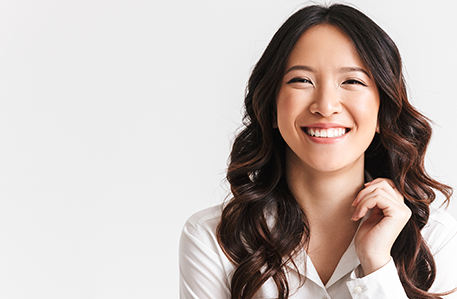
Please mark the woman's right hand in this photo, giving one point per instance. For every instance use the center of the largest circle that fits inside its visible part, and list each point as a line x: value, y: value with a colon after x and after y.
x: 376, y: 236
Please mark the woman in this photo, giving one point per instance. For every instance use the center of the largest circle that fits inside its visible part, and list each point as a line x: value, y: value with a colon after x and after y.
x: 330, y: 196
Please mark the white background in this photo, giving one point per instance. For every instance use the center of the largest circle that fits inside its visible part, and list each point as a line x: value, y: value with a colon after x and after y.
x: 116, y: 119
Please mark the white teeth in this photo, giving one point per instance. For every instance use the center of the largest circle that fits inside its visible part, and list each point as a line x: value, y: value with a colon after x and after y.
x: 330, y: 133
x: 326, y: 133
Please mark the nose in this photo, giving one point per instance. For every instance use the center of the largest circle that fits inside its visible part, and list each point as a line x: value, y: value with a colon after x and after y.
x: 326, y: 101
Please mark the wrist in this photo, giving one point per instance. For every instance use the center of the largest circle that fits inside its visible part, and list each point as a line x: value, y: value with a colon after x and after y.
x: 372, y: 264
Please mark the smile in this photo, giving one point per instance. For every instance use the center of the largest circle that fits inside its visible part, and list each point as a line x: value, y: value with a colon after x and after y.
x: 325, y: 133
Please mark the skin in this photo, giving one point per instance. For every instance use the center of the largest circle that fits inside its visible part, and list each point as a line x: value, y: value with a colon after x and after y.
x: 327, y: 84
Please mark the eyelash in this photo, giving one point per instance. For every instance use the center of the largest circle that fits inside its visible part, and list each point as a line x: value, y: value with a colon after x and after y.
x: 304, y: 80
x: 299, y: 80
x: 353, y: 81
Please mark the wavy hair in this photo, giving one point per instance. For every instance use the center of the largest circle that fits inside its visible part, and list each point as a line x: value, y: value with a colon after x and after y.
x: 260, y: 248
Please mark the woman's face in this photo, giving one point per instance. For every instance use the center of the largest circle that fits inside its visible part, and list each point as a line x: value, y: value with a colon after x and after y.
x: 327, y: 105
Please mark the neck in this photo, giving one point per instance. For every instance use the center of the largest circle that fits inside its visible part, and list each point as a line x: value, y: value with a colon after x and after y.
x: 325, y: 195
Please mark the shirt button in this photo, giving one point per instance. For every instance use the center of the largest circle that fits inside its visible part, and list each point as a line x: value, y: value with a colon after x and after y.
x: 358, y: 289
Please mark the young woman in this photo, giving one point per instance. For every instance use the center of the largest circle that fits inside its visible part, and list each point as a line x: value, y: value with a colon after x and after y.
x: 330, y: 198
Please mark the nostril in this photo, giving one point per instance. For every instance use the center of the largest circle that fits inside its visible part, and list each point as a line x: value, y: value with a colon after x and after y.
x: 325, y: 109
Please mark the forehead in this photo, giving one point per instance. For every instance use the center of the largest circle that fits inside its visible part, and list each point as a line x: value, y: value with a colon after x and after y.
x: 325, y: 46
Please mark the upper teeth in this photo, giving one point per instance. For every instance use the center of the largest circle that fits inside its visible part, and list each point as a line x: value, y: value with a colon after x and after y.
x: 326, y: 133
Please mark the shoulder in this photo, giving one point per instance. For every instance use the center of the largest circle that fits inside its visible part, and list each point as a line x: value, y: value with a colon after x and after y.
x: 202, y: 226
x: 440, y: 229
x: 206, y: 219
x: 203, y: 267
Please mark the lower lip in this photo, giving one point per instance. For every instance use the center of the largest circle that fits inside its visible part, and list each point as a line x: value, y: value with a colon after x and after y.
x: 325, y: 140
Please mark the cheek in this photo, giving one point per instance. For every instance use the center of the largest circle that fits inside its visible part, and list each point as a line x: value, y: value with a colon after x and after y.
x: 369, y: 111
x: 288, y: 106
x: 367, y: 107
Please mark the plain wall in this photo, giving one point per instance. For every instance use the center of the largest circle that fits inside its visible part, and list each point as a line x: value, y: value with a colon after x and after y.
x: 116, y: 119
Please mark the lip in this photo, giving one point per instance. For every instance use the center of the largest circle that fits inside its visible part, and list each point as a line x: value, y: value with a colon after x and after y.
x: 325, y: 126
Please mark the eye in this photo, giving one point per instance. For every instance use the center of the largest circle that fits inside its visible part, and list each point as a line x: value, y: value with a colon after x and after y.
x: 354, y: 81
x: 299, y: 80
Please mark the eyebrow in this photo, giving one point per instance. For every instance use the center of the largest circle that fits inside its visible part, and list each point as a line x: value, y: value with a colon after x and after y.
x: 354, y: 69
x: 300, y: 67
x: 341, y: 70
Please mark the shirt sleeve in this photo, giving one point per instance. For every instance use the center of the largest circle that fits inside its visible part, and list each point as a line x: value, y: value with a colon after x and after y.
x: 201, y: 266
x: 384, y: 283
x: 441, y: 236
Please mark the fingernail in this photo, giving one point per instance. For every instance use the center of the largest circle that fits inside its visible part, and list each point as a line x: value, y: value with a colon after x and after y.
x: 356, y: 200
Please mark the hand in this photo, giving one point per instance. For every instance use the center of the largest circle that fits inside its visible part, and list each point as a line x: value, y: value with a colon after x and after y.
x: 376, y: 236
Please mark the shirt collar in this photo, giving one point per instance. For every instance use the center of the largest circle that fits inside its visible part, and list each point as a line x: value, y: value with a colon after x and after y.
x: 348, y: 263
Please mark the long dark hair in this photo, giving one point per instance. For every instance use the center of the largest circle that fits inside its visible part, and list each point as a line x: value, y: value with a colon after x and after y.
x: 260, y: 249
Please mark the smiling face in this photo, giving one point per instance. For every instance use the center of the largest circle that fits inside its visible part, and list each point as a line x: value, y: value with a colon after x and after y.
x: 328, y: 103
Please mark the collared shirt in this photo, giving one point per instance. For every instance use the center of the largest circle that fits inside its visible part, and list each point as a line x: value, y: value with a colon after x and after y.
x: 205, y: 271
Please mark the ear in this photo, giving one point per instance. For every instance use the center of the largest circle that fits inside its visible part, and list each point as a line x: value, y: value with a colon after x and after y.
x: 377, y: 127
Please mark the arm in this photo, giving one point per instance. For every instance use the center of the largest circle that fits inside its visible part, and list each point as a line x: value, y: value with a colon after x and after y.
x: 376, y: 235
x: 377, y: 276
x: 441, y: 234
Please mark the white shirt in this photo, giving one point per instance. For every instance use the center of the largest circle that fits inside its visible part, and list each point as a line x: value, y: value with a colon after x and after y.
x: 205, y: 271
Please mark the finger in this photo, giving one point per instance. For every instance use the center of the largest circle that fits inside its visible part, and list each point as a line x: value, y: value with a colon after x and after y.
x: 381, y: 184
x: 375, y: 200
x: 389, y: 206
x: 389, y: 187
x: 373, y: 189
x: 378, y: 180
x: 387, y: 196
